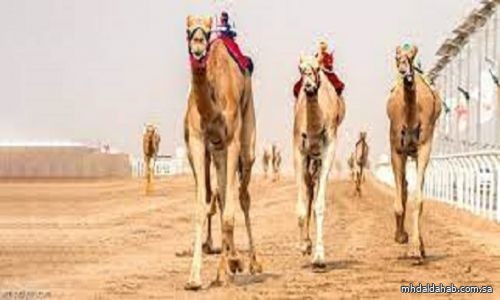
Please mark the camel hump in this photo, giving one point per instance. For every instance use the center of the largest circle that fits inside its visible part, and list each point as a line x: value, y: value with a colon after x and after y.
x: 244, y: 62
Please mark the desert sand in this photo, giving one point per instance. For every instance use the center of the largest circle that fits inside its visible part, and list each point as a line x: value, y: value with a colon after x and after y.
x: 106, y: 240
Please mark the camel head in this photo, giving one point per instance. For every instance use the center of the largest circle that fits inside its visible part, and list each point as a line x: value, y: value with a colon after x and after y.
x: 309, y: 70
x: 362, y: 135
x: 149, y: 130
x: 404, y: 63
x: 198, y: 37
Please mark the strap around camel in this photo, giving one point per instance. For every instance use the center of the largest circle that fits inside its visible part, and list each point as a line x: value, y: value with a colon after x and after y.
x: 399, y: 80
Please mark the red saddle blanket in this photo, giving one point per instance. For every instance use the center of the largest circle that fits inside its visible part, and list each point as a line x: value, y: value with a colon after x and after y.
x: 332, y: 77
x: 244, y: 62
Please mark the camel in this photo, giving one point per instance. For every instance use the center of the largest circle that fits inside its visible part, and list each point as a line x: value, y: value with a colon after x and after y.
x: 219, y: 126
x: 413, y: 109
x: 318, y: 113
x: 276, y: 162
x: 350, y: 164
x: 151, y: 147
x: 266, y: 161
x: 360, y: 161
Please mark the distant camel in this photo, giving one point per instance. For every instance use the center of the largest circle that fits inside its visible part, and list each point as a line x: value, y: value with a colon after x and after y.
x: 350, y: 164
x: 151, y: 146
x: 360, y: 160
x: 276, y: 162
x: 413, y: 109
x: 318, y: 113
x: 219, y: 125
x: 266, y: 160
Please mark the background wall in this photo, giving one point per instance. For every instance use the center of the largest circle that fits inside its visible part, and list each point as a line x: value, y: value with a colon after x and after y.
x: 56, y: 162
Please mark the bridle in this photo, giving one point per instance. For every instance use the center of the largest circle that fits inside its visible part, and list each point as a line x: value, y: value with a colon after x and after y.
x: 317, y: 77
x: 198, y: 63
x: 411, y: 70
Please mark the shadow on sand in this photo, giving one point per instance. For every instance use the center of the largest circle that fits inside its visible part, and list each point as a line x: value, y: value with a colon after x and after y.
x: 332, y: 265
x: 249, y: 279
x: 427, y: 260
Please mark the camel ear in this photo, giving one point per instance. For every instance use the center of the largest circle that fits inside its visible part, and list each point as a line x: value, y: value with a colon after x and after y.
x: 398, y: 50
x: 413, y: 52
x: 189, y: 21
x: 207, y: 22
x: 301, y: 60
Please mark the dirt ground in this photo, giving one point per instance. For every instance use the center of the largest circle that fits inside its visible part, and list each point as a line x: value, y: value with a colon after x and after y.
x: 106, y: 240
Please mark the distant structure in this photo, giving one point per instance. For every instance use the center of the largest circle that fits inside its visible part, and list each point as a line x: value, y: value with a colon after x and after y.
x: 466, y: 74
x: 60, y: 159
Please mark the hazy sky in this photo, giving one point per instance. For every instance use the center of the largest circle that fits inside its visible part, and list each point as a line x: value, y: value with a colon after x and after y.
x: 98, y: 69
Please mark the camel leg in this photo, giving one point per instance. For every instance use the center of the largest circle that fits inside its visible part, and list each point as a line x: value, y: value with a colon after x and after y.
x: 197, y: 154
x: 302, y: 195
x: 360, y: 180
x: 399, y: 170
x: 245, y: 201
x: 227, y: 165
x: 233, y: 154
x: 247, y: 159
x: 417, y: 246
x: 307, y: 247
x: 151, y: 174
x: 357, y: 182
x: 319, y: 209
x: 146, y: 174
x: 211, y: 201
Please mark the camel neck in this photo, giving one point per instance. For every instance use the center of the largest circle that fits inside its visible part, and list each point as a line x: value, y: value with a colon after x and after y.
x: 201, y: 89
x: 313, y: 114
x: 410, y: 98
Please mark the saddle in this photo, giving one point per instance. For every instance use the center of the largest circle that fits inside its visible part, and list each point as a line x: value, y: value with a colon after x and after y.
x: 244, y: 62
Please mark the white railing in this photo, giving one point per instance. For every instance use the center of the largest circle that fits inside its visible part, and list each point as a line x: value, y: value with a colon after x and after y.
x: 162, y: 167
x: 469, y: 181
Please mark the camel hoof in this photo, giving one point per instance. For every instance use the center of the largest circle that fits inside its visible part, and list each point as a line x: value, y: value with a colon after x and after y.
x: 255, y: 267
x: 318, y: 266
x: 306, y: 247
x: 401, y: 238
x: 207, y: 247
x: 218, y: 283
x: 416, y: 254
x: 235, y: 265
x: 318, y: 262
x: 192, y: 286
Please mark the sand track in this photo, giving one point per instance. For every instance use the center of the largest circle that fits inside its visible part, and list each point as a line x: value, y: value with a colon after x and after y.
x: 105, y: 240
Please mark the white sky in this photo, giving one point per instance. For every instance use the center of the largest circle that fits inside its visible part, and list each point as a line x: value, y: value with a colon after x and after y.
x: 98, y: 69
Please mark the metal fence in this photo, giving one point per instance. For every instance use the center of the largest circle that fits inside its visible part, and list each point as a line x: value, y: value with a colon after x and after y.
x: 469, y: 181
x: 162, y: 167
